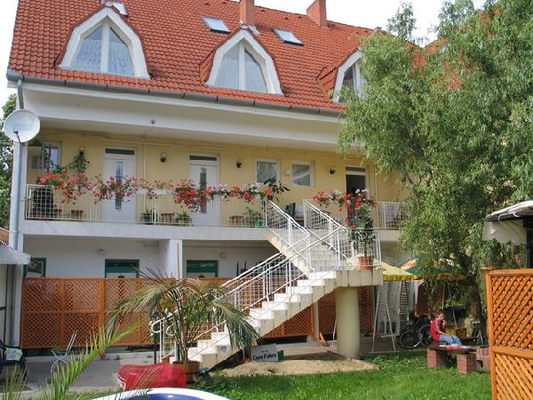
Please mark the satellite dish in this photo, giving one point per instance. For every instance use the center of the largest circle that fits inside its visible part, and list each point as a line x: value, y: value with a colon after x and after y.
x: 22, y: 126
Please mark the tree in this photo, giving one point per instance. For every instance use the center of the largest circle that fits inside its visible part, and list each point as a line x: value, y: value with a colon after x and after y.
x: 455, y: 120
x: 6, y: 162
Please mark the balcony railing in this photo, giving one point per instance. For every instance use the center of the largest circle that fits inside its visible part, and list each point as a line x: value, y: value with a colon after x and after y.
x: 44, y: 203
x: 390, y: 215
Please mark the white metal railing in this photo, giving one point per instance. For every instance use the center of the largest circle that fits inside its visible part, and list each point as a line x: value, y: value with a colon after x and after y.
x: 390, y: 215
x: 44, y: 203
x: 359, y: 248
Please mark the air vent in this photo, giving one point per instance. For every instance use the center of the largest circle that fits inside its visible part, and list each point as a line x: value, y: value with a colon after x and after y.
x: 288, y: 37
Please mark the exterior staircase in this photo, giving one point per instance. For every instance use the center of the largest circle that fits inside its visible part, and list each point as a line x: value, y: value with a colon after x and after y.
x: 312, y: 262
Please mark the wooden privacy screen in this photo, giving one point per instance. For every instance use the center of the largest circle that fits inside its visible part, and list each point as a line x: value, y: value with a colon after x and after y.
x: 54, y: 308
x: 510, y: 312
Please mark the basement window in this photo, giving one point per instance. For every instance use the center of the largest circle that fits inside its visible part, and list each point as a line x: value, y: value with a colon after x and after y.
x: 288, y: 37
x: 216, y: 25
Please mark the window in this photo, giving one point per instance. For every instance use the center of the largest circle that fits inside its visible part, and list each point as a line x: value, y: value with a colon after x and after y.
x: 216, y: 25
x: 202, y: 269
x: 104, y: 51
x: 266, y: 170
x: 349, y: 76
x: 240, y: 70
x: 302, y: 174
x: 105, y: 43
x: 121, y: 268
x: 241, y: 63
x: 36, y: 268
x: 50, y: 158
x: 352, y: 79
x: 288, y: 37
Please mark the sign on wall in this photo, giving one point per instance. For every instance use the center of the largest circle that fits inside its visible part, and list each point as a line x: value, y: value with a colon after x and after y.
x: 266, y: 353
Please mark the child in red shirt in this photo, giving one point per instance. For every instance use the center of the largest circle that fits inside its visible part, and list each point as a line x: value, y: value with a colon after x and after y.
x: 437, y: 330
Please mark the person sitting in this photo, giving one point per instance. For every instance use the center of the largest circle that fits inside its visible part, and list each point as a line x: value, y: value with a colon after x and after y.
x: 437, y: 330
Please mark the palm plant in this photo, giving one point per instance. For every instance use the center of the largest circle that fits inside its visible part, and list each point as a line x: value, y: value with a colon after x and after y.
x: 188, y: 308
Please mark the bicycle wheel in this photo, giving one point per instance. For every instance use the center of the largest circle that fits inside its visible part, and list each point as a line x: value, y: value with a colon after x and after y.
x: 409, y: 340
x: 424, y: 334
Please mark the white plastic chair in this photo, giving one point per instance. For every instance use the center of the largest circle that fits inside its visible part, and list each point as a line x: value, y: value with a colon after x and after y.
x: 61, y: 356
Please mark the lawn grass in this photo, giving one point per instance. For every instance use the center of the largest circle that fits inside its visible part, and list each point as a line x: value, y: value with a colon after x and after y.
x: 402, y: 376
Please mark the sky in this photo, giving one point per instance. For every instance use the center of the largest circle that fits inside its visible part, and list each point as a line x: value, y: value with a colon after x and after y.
x: 364, y: 13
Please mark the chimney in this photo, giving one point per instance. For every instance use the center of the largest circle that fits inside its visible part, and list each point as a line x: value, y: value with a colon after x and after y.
x: 247, y: 12
x: 317, y: 12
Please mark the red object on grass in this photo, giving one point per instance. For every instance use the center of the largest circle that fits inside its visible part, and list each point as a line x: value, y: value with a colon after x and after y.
x: 131, y: 377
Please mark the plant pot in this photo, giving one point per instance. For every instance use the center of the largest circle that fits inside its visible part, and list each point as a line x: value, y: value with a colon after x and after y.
x: 76, y: 214
x: 167, y: 218
x: 191, y: 369
x: 236, y: 220
x: 366, y: 262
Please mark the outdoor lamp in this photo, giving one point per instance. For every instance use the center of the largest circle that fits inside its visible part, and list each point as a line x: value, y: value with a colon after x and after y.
x: 332, y: 170
x: 239, y: 163
x: 82, y: 150
x: 163, y: 157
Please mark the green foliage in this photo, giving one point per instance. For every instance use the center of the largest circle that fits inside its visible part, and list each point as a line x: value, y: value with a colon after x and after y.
x: 402, y: 376
x: 403, y: 23
x: 455, y: 120
x: 6, y: 162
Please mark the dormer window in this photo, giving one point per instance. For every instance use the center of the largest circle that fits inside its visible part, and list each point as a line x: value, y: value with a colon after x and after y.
x: 349, y: 76
x: 104, y: 51
x: 243, y: 64
x: 105, y: 44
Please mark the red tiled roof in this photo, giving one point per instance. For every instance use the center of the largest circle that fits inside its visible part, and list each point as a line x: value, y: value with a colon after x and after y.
x: 179, y: 47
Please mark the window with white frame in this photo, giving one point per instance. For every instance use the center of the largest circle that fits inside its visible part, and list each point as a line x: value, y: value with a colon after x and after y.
x: 302, y: 173
x: 106, y: 44
x: 267, y: 170
x: 242, y: 63
x: 50, y: 158
x: 349, y: 76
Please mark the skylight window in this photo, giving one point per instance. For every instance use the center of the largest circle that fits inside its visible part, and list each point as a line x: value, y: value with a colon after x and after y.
x: 216, y: 25
x: 288, y: 37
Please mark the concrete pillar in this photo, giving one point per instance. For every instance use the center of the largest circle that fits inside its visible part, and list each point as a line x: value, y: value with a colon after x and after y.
x: 316, y: 321
x: 348, y: 332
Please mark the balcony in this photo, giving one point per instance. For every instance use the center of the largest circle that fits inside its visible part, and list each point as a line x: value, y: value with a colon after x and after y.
x: 44, y: 203
x: 390, y: 215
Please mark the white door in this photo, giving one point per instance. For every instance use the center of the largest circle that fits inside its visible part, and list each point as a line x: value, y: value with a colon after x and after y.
x: 203, y: 172
x: 119, y: 163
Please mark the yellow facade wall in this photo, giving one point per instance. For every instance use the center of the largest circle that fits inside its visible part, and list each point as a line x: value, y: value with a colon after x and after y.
x: 176, y: 167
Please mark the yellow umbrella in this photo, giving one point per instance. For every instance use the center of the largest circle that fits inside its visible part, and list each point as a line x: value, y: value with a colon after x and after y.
x: 391, y: 273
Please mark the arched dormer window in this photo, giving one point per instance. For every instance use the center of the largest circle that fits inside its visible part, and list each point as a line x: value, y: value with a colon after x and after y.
x: 104, y: 43
x: 243, y: 64
x: 349, y: 76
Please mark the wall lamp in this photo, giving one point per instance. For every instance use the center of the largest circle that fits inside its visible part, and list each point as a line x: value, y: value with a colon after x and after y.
x: 163, y: 157
x: 239, y: 163
x: 332, y: 170
x: 81, y: 150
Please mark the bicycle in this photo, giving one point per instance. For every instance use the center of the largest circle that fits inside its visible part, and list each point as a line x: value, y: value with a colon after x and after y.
x: 416, y: 333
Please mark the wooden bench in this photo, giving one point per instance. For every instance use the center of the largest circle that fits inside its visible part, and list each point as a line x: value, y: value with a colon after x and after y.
x: 438, y: 356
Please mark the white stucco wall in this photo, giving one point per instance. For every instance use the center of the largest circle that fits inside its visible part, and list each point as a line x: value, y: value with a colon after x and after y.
x: 228, y: 255
x: 80, y: 258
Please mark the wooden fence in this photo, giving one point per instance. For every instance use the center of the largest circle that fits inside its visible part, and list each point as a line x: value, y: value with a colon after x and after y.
x: 510, y: 312
x: 54, y: 308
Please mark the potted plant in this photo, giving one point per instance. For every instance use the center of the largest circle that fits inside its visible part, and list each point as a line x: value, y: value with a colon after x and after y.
x: 189, y: 307
x: 147, y: 217
x: 252, y: 218
x: 183, y: 219
x: 359, y: 206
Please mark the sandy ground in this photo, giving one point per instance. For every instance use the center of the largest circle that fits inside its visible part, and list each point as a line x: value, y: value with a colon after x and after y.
x: 298, y: 367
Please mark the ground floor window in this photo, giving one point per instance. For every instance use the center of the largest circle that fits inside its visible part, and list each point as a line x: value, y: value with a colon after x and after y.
x: 121, y: 268
x: 36, y: 268
x: 202, y: 269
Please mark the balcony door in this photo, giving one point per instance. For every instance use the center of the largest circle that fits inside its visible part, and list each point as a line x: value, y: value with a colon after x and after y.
x: 203, y: 172
x: 119, y: 163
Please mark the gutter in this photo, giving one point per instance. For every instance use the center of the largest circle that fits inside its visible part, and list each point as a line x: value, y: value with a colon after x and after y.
x: 12, y: 75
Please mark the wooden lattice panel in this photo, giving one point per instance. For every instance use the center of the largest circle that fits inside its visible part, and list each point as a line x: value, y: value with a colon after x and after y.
x: 85, y: 324
x: 41, y: 330
x: 117, y: 289
x: 514, y: 377
x: 301, y: 324
x: 512, y: 311
x: 81, y: 295
x: 42, y: 294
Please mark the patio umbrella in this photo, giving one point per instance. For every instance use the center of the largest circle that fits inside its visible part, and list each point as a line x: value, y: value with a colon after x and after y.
x: 391, y: 273
x: 512, y: 224
x: 415, y: 267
